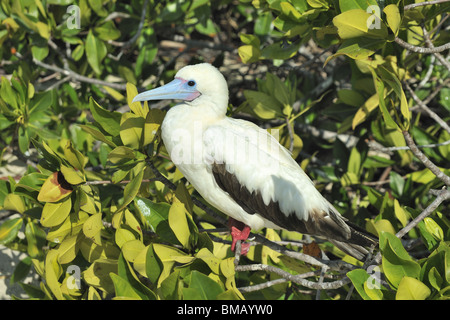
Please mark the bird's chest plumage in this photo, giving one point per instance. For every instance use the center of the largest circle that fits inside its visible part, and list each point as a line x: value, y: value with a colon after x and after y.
x: 182, y: 133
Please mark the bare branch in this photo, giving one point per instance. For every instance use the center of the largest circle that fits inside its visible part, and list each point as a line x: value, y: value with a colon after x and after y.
x: 128, y: 43
x: 261, y: 286
x: 390, y: 149
x: 298, y: 279
x: 426, y: 3
x: 432, y: 114
x: 417, y: 49
x: 76, y: 76
x: 430, y: 45
x: 427, y: 162
x: 291, y: 134
x: 443, y: 195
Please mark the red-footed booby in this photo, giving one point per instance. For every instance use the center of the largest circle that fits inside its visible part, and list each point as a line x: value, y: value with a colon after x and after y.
x: 241, y: 169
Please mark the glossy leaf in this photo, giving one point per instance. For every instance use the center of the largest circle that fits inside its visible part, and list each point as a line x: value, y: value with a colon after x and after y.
x: 54, y: 188
x: 202, y: 287
x: 9, y: 230
x: 396, y: 261
x: 54, y: 214
x: 178, y: 223
x: 95, y: 52
x: 412, y: 289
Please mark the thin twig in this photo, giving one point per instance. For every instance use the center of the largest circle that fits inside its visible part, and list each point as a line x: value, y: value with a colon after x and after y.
x: 442, y: 196
x: 298, y: 279
x: 127, y: 44
x: 425, y: 108
x: 426, y: 3
x: 417, y: 49
x: 427, y: 162
x: 423, y: 146
x: 430, y: 45
x: 291, y: 134
x: 76, y: 76
x: 261, y: 286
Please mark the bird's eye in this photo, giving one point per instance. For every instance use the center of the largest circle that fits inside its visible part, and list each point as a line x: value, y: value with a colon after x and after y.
x: 191, y: 83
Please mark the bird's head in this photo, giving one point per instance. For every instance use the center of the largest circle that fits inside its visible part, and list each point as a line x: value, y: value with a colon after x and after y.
x: 200, y: 85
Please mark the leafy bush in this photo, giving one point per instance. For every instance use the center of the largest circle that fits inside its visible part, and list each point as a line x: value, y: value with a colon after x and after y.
x: 102, y: 212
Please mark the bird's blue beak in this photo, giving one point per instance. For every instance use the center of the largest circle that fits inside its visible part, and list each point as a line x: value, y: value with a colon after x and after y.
x: 176, y: 89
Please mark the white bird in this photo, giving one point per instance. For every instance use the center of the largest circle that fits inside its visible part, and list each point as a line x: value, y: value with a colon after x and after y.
x: 241, y: 169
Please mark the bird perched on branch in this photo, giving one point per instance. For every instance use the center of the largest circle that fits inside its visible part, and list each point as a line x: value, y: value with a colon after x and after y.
x: 241, y: 169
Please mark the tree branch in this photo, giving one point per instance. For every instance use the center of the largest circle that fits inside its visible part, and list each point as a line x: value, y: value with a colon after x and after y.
x: 76, y: 76
x: 417, y: 49
x: 425, y: 108
x: 298, y: 279
x: 427, y: 162
x: 443, y: 195
x: 426, y: 3
x: 430, y: 45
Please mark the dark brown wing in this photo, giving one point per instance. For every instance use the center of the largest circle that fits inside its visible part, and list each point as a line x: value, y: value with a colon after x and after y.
x: 320, y: 223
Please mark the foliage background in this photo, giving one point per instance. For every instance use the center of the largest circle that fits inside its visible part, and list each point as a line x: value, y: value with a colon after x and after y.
x: 91, y: 206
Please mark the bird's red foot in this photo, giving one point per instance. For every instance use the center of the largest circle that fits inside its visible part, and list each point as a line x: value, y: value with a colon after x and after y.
x: 239, y: 231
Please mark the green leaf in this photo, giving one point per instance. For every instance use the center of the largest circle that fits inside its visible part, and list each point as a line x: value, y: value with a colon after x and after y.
x: 73, y: 156
x: 14, y: 202
x: 346, y: 5
x: 263, y: 105
x: 7, y: 93
x: 280, y: 50
x: 396, y: 261
x: 54, y: 214
x: 135, y: 107
x: 131, y: 190
x: 68, y: 249
x: 168, y: 256
x: 131, y: 249
x: 393, y: 17
x: 412, y: 289
x: 126, y: 272
x: 92, y: 227
x: 392, y: 80
x: 356, y: 22
x: 108, y: 120
x: 179, y: 224
x: 364, y: 111
x: 263, y: 23
x: 54, y: 188
x: 123, y: 288
x: 358, y: 48
x: 202, y: 287
x: 131, y: 130
x: 379, y: 85
x: 434, y: 229
x: 121, y: 154
x: 95, y: 52
x: 358, y: 278
x: 99, y: 272
x: 249, y: 53
x: 98, y: 135
x: 107, y: 31
x: 53, y: 271
x: 171, y: 287
x: 22, y: 270
x: 9, y: 230
x: 157, y: 216
x: 122, y: 236
x: 72, y: 175
x: 153, y: 266
x: 35, y: 240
